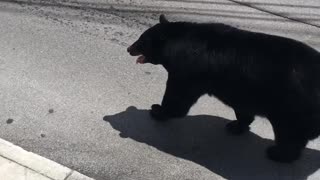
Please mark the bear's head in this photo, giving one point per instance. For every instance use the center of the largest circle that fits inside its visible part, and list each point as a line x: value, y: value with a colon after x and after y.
x: 150, y: 44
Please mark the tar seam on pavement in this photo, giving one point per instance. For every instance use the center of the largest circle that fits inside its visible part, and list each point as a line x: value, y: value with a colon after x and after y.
x: 273, y: 13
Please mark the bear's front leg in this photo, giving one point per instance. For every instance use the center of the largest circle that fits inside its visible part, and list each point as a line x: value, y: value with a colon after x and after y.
x: 178, y: 98
x: 157, y: 112
x: 241, y: 125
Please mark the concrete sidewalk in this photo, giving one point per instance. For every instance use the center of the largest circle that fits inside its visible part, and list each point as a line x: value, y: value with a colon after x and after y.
x: 18, y: 164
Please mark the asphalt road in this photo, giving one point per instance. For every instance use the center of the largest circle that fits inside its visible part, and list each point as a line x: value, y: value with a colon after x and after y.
x: 70, y: 92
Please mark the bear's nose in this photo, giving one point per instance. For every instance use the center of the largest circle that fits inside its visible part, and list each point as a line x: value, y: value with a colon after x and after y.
x: 129, y: 49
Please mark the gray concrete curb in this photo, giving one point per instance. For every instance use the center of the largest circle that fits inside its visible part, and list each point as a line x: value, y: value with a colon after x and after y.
x: 38, y: 164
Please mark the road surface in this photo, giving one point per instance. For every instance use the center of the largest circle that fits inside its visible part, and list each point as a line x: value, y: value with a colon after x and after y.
x: 70, y: 92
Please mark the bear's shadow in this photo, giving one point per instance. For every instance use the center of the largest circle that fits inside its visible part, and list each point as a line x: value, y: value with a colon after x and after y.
x: 203, y: 140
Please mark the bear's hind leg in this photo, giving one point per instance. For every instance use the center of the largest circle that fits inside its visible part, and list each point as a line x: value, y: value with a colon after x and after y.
x: 290, y: 140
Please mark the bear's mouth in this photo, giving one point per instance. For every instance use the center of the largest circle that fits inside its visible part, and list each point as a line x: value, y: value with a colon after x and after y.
x: 141, y: 59
x: 132, y: 50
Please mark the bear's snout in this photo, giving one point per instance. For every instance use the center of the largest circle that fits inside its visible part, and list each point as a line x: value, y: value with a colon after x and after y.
x: 133, y: 50
x: 129, y: 49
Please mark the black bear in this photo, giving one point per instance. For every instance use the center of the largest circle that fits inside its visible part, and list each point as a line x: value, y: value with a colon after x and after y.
x: 254, y: 73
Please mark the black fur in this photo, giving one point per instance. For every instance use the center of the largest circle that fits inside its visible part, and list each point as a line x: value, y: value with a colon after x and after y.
x: 254, y: 73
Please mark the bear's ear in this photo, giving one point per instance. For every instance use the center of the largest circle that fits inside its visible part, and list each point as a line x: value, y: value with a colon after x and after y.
x: 163, y: 19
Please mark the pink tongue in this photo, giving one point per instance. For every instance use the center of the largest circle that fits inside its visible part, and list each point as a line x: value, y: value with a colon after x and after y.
x: 141, y: 60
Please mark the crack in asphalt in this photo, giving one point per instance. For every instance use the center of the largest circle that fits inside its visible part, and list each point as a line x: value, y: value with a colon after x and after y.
x: 273, y: 13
